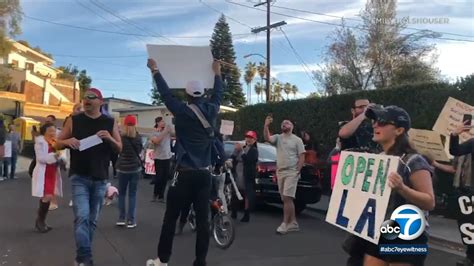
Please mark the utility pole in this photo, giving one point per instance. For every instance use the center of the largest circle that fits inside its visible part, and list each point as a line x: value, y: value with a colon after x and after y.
x: 268, y: 28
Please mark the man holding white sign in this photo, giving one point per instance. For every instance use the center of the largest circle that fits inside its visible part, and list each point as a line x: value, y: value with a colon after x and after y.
x: 195, y: 144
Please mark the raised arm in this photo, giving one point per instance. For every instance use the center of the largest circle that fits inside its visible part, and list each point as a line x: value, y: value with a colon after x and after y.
x: 350, y: 128
x: 173, y: 104
x: 457, y: 149
x: 266, y: 131
x: 217, y: 96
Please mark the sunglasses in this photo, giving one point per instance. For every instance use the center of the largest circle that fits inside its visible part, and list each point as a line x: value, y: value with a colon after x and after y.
x: 383, y: 123
x: 91, y: 97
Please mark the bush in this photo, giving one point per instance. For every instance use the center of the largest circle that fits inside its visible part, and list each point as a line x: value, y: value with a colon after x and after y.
x: 320, y: 117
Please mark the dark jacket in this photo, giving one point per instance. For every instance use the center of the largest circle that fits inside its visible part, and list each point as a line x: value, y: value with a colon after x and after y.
x: 3, y: 133
x: 128, y: 160
x: 457, y: 149
x: 250, y: 160
x: 194, y: 146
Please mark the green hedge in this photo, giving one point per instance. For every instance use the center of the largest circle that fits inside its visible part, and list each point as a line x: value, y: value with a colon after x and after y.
x: 320, y: 116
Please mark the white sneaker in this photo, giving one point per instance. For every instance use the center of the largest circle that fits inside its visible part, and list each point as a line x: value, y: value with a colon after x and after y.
x: 293, y: 227
x: 156, y: 262
x: 282, y: 229
x: 1, y: 179
x: 70, y: 203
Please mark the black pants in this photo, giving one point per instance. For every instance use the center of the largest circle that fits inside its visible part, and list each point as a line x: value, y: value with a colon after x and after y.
x: 191, y: 187
x: 162, y: 169
x: 463, y: 219
x: 113, y: 159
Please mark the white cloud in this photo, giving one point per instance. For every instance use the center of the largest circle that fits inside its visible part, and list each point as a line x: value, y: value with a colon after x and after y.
x: 283, y: 69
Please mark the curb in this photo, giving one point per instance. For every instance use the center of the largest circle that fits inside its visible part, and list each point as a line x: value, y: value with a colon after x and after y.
x: 434, y: 240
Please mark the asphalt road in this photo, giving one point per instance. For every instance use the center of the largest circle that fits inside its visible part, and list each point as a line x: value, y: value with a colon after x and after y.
x: 256, y: 243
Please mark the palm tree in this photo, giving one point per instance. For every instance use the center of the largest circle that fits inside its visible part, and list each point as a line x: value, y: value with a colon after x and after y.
x: 287, y: 90
x: 277, y: 89
x: 250, y: 73
x: 294, y: 90
x: 262, y: 72
x: 259, y: 90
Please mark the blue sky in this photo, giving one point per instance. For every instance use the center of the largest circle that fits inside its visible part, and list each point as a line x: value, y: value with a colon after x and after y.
x: 122, y: 71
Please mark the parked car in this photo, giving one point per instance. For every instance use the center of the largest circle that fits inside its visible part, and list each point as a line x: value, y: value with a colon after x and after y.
x: 309, y: 186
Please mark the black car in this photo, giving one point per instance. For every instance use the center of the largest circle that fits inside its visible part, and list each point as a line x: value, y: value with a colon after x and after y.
x: 309, y: 186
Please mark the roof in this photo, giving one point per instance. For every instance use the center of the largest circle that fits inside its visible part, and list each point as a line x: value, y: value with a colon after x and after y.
x: 126, y: 101
x: 25, y: 48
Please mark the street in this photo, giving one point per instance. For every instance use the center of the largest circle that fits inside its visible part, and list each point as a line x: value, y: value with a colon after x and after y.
x: 256, y: 243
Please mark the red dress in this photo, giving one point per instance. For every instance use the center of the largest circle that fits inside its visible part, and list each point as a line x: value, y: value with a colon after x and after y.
x: 50, y: 176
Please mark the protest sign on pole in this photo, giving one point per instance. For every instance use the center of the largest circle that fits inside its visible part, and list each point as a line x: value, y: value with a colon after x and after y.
x: 451, y: 117
x: 150, y: 162
x: 429, y: 143
x: 180, y: 64
x: 361, y: 193
x: 227, y: 127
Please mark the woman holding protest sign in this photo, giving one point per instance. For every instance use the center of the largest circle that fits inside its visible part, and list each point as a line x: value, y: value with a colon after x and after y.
x: 410, y: 185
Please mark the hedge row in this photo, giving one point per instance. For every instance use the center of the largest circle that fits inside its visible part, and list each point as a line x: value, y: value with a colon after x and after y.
x: 320, y: 116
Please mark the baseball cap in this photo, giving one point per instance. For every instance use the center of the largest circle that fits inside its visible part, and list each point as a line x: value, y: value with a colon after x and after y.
x: 251, y: 134
x: 194, y: 88
x: 392, y: 114
x: 96, y: 92
x: 130, y: 120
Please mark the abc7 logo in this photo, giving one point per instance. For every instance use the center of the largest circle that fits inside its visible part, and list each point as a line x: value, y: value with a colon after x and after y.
x: 407, y: 223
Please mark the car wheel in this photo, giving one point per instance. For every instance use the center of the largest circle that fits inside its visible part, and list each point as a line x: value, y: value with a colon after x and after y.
x: 299, y: 207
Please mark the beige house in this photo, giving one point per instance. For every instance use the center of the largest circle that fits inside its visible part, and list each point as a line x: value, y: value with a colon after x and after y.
x: 35, y: 89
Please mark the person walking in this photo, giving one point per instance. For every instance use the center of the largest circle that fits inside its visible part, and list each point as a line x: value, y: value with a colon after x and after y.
x: 248, y: 159
x: 3, y: 137
x: 89, y: 168
x: 16, y: 147
x: 194, y: 148
x: 46, y: 181
x: 410, y: 184
x: 290, y: 161
x: 129, y: 167
x: 161, y: 140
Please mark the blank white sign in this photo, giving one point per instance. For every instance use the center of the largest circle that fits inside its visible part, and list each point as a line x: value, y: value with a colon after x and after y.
x: 180, y: 64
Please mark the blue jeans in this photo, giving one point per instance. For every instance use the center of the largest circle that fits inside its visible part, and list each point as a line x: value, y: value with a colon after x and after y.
x: 129, y: 180
x: 5, y: 166
x: 13, y: 161
x: 88, y: 196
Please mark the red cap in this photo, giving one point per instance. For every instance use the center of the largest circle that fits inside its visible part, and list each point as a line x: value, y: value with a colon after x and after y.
x: 96, y: 92
x: 251, y: 134
x: 130, y: 120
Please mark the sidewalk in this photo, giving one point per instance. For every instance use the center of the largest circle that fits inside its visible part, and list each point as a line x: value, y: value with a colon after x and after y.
x: 443, y: 232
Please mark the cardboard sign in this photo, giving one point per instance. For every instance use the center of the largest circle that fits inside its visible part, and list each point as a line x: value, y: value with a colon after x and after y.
x: 150, y: 162
x: 361, y: 193
x: 227, y: 127
x: 180, y: 64
x: 451, y: 117
x: 429, y: 143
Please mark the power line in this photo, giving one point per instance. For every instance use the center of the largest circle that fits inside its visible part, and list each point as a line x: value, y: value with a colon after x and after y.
x: 83, y: 28
x: 358, y: 20
x: 220, y: 12
x: 106, y: 19
x: 94, y: 56
x: 306, y: 68
x: 128, y: 21
x: 335, y: 24
x: 123, y: 33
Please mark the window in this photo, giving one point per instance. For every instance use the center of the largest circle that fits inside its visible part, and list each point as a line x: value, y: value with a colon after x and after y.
x: 30, y: 67
x: 15, y: 63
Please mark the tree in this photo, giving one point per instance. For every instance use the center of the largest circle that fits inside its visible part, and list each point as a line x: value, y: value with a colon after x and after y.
x: 73, y: 74
x: 376, y: 54
x: 277, y: 89
x: 223, y: 49
x: 287, y: 89
x: 465, y: 84
x: 259, y: 88
x: 250, y: 73
x: 10, y: 18
x: 294, y: 90
x: 262, y: 72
